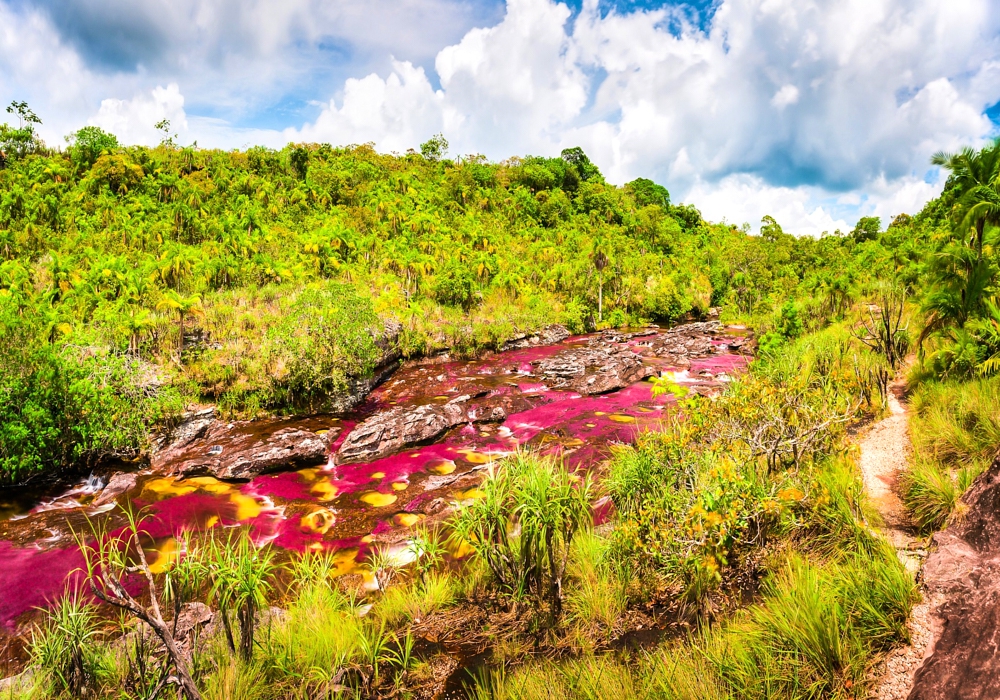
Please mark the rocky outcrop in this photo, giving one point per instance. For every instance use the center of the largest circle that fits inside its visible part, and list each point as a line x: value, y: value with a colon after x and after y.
x: 242, y: 450
x: 358, y: 388
x: 963, y: 572
x: 596, y: 368
x: 550, y: 335
x: 397, y: 428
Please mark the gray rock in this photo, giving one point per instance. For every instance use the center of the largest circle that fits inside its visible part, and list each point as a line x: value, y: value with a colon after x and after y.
x: 396, y: 428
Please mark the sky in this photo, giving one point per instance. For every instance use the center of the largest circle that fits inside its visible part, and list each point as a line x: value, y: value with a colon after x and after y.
x: 816, y: 112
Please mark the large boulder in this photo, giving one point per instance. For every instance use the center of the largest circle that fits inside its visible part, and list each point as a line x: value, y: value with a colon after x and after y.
x: 396, y: 428
x: 550, y: 335
x: 963, y: 573
x: 243, y: 450
x: 596, y: 368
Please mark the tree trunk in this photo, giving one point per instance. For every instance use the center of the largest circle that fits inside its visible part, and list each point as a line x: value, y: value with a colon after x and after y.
x: 600, y: 297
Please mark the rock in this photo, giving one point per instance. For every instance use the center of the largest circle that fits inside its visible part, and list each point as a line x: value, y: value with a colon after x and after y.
x: 192, y: 426
x: 249, y: 449
x: 594, y: 369
x: 117, y: 485
x: 392, y: 430
x: 550, y: 335
x: 358, y: 388
x: 963, y: 572
x: 194, y: 618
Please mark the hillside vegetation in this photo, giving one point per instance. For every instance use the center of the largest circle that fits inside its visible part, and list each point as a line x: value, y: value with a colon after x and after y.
x: 258, y: 280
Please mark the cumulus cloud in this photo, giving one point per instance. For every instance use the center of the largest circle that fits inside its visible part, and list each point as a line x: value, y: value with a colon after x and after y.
x: 134, y: 120
x: 810, y: 111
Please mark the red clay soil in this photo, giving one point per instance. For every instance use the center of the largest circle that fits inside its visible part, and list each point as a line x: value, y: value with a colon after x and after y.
x: 963, y: 572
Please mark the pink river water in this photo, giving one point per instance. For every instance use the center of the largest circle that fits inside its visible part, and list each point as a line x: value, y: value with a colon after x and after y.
x: 346, y: 508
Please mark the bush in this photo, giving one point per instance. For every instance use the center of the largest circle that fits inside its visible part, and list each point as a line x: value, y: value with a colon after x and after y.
x: 327, y: 336
x: 523, y: 526
x: 63, y: 408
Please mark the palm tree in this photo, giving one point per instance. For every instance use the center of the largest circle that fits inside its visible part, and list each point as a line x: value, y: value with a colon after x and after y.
x: 974, y: 175
x: 172, y: 301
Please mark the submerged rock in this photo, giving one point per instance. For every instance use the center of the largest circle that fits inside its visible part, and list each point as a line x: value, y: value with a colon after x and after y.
x: 250, y: 449
x: 964, y: 574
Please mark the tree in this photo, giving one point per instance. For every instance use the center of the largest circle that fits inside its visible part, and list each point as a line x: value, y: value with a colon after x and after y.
x: 22, y: 141
x: 974, y: 177
x: 648, y: 193
x: 867, y: 229
x: 600, y: 260
x: 434, y: 148
x: 184, y: 306
x: 770, y: 230
x: 90, y: 143
x: 579, y: 160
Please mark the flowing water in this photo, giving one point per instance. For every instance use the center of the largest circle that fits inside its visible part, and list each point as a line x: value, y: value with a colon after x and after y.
x: 347, y: 508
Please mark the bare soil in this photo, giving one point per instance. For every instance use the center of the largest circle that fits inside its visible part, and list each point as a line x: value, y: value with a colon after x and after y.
x: 885, y: 451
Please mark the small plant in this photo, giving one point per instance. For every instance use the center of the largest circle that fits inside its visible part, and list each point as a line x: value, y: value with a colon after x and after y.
x: 241, y: 577
x: 111, y: 562
x: 428, y: 552
x: 64, y: 645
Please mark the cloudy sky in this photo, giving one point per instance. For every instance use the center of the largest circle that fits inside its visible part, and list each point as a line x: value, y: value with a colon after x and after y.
x: 814, y: 111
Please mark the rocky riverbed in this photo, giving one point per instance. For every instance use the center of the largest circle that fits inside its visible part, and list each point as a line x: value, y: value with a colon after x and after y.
x: 411, y: 451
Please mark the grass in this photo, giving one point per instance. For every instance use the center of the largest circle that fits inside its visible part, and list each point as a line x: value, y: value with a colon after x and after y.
x: 956, y: 434
x: 66, y: 649
x: 812, y: 636
x: 596, y: 599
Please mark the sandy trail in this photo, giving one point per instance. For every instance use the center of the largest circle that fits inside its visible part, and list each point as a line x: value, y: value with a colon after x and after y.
x: 885, y: 449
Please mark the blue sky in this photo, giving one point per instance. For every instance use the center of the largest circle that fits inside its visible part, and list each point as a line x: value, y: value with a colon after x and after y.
x: 814, y: 111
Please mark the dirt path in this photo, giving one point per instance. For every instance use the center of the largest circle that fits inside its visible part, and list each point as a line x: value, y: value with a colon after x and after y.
x: 885, y: 449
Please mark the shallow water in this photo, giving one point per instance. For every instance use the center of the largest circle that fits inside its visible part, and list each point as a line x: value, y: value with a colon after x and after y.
x: 345, y: 508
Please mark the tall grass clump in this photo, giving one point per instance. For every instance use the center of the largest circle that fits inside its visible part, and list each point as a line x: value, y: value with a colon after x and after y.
x: 65, y: 647
x: 956, y: 434
x: 523, y: 526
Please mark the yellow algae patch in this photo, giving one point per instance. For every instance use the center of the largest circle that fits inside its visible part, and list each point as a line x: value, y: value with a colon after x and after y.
x: 378, y: 475
x: 399, y: 486
x: 322, y: 432
x: 475, y: 457
x: 169, y: 486
x: 572, y: 442
x: 470, y: 493
x: 444, y: 466
x: 210, y: 484
x: 643, y: 409
x: 591, y: 425
x: 406, y: 519
x: 246, y: 507
x: 600, y: 413
x: 310, y: 474
x: 166, y: 555
x: 442, y: 396
x: 367, y: 539
x: 345, y: 561
x: 621, y: 418
x: 318, y: 521
x: 212, y: 521
x: 415, y: 455
x: 462, y: 549
x: 378, y: 500
x: 324, y: 490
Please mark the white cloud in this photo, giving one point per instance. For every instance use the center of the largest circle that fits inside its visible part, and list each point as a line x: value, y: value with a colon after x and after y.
x: 810, y: 111
x: 134, y: 120
x: 787, y: 95
x: 740, y: 199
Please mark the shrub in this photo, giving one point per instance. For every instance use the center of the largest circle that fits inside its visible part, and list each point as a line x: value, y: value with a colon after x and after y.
x: 524, y: 525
